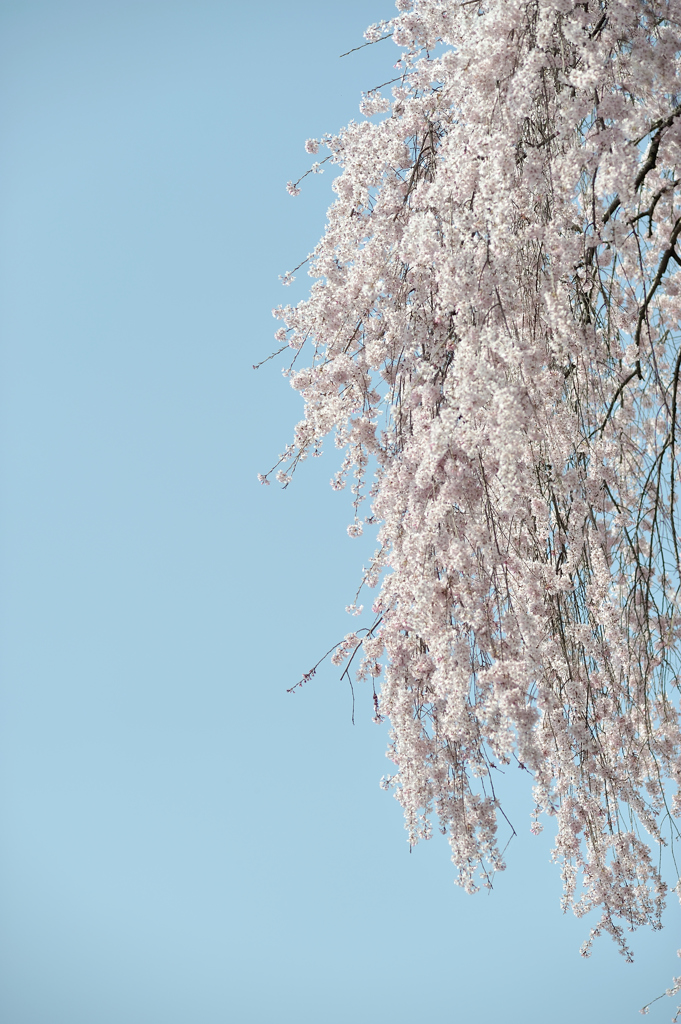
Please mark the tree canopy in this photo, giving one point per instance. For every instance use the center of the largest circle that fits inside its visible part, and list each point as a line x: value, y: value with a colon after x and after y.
x: 492, y: 340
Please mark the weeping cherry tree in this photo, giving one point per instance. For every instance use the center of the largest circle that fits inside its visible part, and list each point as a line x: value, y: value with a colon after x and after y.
x: 492, y: 339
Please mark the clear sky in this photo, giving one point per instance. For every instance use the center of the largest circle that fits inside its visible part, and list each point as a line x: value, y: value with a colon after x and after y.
x: 181, y: 841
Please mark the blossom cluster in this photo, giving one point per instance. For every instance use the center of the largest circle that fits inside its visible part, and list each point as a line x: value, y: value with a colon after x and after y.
x: 493, y: 336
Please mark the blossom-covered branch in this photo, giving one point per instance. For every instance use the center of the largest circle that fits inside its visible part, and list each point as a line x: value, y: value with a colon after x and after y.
x: 494, y: 329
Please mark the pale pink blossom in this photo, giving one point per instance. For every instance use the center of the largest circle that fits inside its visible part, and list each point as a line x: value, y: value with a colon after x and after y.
x: 492, y: 338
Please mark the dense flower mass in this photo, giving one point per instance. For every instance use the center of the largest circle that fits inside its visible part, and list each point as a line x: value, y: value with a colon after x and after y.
x: 493, y: 337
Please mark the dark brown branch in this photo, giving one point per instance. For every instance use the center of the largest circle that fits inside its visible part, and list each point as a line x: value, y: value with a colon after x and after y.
x: 657, y: 281
x: 651, y: 157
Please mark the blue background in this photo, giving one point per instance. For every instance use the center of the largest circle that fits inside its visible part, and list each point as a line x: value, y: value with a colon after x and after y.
x: 183, y: 842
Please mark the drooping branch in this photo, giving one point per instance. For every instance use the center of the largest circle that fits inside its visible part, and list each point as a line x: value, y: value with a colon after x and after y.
x: 495, y: 328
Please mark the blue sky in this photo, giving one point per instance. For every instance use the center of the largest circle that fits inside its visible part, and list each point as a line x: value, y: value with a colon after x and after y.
x: 182, y: 841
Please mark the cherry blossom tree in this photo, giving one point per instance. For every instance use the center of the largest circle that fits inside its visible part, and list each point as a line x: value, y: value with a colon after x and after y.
x: 492, y: 339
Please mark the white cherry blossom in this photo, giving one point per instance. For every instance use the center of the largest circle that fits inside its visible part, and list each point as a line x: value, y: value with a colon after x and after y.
x: 492, y: 338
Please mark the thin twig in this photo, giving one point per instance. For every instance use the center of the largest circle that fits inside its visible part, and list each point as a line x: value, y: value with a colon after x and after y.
x: 377, y: 87
x: 370, y: 43
x: 256, y: 366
